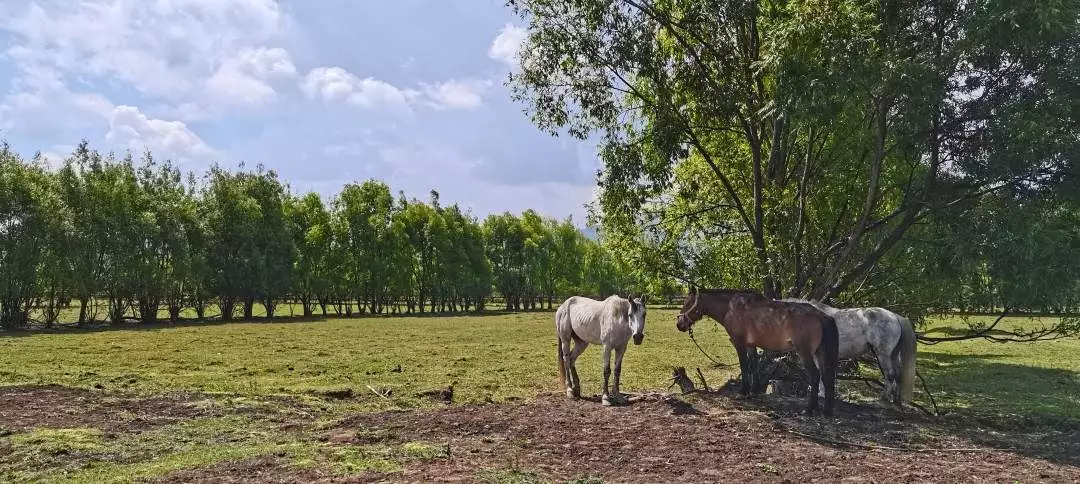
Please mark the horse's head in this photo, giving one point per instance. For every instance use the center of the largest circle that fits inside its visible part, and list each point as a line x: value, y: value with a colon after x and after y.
x: 637, y: 318
x: 690, y: 312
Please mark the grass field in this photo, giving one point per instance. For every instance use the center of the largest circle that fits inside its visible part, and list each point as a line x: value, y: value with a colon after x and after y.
x: 239, y: 382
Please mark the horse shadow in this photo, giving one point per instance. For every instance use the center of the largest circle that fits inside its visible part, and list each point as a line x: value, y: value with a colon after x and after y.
x: 1024, y: 410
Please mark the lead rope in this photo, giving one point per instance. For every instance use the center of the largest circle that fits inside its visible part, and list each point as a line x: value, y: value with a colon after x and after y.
x: 690, y: 331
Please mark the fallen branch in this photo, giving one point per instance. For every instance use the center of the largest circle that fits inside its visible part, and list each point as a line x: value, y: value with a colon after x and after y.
x: 679, y: 377
x: 381, y: 394
x: 703, y: 383
x: 637, y: 397
x: 927, y: 391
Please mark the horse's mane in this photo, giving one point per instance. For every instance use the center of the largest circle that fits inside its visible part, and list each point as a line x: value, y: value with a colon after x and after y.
x: 752, y: 293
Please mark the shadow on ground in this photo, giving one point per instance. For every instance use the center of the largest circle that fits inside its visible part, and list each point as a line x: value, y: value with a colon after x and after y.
x: 981, y: 401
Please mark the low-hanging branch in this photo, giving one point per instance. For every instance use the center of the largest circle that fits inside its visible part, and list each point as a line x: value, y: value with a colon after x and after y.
x: 1066, y: 327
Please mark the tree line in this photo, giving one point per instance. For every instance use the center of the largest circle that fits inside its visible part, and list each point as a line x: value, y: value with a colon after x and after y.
x: 124, y: 239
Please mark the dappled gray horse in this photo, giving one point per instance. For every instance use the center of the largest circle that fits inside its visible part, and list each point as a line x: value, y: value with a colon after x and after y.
x: 611, y: 323
x: 890, y: 336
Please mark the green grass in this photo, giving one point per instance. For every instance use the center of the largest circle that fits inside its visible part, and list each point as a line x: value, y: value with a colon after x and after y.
x: 494, y: 357
x: 489, y: 357
x: 87, y: 455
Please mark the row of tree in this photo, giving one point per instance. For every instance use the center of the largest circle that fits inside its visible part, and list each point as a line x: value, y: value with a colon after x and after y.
x: 127, y: 240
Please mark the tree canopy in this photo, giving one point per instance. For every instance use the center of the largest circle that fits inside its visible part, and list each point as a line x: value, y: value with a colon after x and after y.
x: 917, y: 154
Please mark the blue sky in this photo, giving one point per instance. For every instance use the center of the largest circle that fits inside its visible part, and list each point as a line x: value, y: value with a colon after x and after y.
x: 323, y: 91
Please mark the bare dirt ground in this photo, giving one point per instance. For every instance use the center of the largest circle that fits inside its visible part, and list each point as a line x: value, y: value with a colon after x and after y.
x: 703, y: 438
x: 666, y: 439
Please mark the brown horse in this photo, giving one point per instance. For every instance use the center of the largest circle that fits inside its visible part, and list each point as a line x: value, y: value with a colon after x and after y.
x: 754, y: 321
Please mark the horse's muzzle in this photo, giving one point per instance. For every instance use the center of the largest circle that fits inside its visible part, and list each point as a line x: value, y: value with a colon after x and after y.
x: 638, y: 337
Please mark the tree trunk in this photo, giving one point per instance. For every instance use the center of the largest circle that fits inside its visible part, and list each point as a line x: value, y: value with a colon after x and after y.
x: 270, y: 306
x: 117, y: 308
x: 148, y: 309
x: 249, y: 308
x: 200, y: 309
x: 306, y: 302
x: 84, y: 302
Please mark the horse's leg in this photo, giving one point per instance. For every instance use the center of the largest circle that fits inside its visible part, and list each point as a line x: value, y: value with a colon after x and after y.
x: 605, y: 399
x: 820, y: 385
x: 619, y: 352
x: 744, y: 367
x: 813, y: 373
x: 888, y: 370
x: 757, y: 363
x: 826, y: 380
x: 565, y: 349
x: 753, y: 373
x: 579, y: 347
x: 890, y: 367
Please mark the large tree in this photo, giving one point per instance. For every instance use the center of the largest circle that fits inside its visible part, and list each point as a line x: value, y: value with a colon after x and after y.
x: 796, y: 146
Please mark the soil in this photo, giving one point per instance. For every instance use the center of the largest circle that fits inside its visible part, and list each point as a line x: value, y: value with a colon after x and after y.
x: 27, y: 407
x: 715, y: 437
x: 663, y: 439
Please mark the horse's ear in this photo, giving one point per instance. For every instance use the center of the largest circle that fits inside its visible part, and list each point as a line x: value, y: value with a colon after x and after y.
x: 644, y: 298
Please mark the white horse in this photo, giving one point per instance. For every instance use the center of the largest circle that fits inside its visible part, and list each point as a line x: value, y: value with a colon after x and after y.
x: 890, y: 336
x: 611, y: 323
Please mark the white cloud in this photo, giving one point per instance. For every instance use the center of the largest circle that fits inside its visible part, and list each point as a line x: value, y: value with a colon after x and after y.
x: 41, y: 102
x: 244, y: 78
x: 180, y: 51
x: 455, y: 94
x: 507, y: 44
x: 337, y: 84
x: 130, y: 128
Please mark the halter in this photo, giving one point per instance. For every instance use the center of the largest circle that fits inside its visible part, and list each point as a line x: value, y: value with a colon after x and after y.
x: 690, y: 330
x: 697, y: 299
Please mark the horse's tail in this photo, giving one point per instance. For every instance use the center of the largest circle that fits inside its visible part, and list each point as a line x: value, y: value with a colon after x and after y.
x: 559, y: 314
x: 907, y: 359
x: 830, y: 347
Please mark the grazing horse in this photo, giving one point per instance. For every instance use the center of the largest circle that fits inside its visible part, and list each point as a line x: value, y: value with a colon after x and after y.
x: 754, y: 321
x: 611, y: 323
x: 890, y: 336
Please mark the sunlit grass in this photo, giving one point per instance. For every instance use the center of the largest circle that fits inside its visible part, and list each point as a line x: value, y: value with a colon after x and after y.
x: 492, y: 357
x: 332, y: 363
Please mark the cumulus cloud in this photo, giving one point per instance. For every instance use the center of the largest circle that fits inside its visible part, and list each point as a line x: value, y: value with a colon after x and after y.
x: 245, y: 77
x: 507, y: 44
x: 337, y: 84
x: 130, y: 128
x: 175, y: 50
x: 456, y: 94
x: 41, y: 103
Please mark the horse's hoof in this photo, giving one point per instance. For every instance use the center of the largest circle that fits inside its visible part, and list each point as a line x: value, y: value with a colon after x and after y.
x: 605, y: 401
